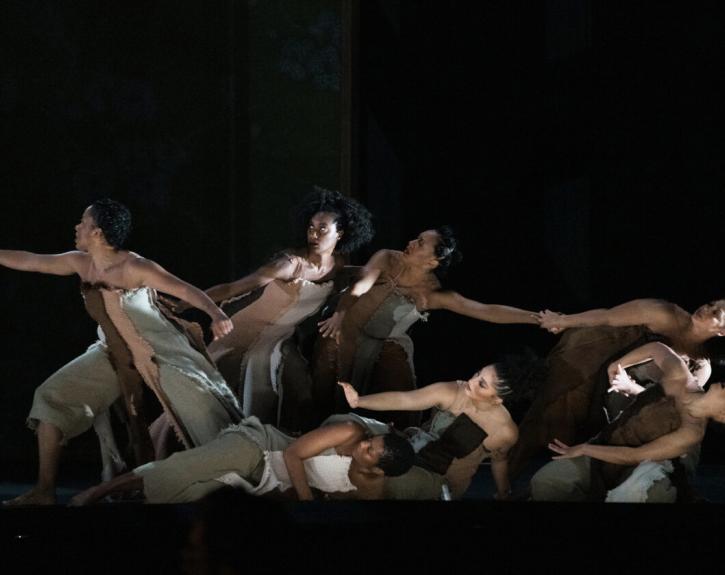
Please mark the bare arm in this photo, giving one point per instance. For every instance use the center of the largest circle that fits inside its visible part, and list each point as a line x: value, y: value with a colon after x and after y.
x: 314, y: 443
x: 368, y: 276
x: 668, y: 446
x: 499, y: 446
x: 650, y: 312
x: 64, y: 264
x: 494, y: 313
x: 148, y: 273
x: 279, y: 269
x: 675, y: 373
x: 439, y: 395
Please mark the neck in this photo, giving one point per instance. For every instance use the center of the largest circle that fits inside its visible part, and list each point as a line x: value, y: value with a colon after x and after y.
x: 696, y: 334
x: 103, y: 256
x: 695, y: 404
x: 319, y: 259
x: 485, y: 405
x: 414, y: 268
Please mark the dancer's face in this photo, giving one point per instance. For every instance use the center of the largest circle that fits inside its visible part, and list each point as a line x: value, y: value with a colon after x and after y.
x: 482, y: 386
x: 422, y: 248
x: 322, y: 232
x: 712, y: 316
x: 368, y: 451
x: 85, y: 230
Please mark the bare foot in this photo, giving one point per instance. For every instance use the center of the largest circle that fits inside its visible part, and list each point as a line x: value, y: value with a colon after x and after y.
x: 84, y: 497
x: 35, y: 496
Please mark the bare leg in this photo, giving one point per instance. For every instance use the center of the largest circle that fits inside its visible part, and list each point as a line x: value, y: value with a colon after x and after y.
x: 49, y: 448
x: 125, y: 482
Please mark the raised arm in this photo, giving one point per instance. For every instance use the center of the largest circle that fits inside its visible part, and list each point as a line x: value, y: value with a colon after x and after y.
x: 675, y: 375
x: 494, y: 313
x: 440, y: 395
x: 368, y: 276
x: 668, y: 446
x: 655, y: 314
x: 314, y: 443
x: 148, y: 273
x: 64, y: 264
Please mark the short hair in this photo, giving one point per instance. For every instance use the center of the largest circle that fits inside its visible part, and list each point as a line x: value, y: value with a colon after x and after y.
x: 446, y: 251
x: 397, y: 456
x: 353, y: 218
x: 113, y: 219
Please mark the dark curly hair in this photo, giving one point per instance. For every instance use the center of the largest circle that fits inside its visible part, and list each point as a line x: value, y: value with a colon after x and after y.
x: 398, y: 455
x: 520, y: 375
x: 114, y: 220
x: 353, y: 218
x: 446, y: 251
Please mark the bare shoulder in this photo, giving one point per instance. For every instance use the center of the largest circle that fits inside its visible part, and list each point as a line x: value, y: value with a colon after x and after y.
x: 77, y: 259
x: 445, y: 391
x: 661, y: 308
x: 385, y: 259
x: 346, y: 430
x: 504, y: 435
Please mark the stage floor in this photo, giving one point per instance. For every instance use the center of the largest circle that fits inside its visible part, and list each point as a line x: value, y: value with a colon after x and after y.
x: 254, y: 535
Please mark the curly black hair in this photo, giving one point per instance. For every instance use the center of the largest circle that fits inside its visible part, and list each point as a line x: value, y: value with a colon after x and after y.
x: 114, y: 220
x: 446, y: 251
x: 520, y: 375
x: 398, y: 456
x: 352, y: 218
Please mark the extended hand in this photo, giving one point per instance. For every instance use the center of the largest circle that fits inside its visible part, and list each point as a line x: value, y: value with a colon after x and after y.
x: 551, y: 321
x: 331, y: 326
x: 353, y: 399
x: 221, y: 326
x: 566, y: 452
x: 622, y: 383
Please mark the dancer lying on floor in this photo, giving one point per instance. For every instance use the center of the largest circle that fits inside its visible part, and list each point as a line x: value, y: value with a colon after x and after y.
x: 628, y: 459
x: 470, y: 425
x: 336, y: 458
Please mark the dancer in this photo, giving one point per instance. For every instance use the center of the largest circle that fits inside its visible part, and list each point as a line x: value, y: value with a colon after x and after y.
x: 686, y: 333
x: 258, y: 359
x: 570, y: 402
x: 365, y: 341
x: 470, y: 424
x: 141, y: 342
x: 626, y: 461
x: 336, y: 458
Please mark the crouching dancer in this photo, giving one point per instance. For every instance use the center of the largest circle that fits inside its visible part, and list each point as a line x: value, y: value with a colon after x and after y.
x: 337, y: 458
x: 639, y: 456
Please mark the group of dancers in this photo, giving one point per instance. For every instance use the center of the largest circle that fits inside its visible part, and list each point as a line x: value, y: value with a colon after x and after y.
x: 620, y: 399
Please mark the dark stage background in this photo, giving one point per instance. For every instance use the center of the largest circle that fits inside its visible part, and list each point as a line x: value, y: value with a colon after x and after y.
x: 576, y: 147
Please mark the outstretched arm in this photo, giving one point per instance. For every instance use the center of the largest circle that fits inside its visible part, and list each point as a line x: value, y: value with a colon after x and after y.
x: 368, y: 276
x: 314, y: 443
x: 650, y: 312
x: 668, y: 446
x: 439, y: 395
x: 281, y: 268
x: 64, y: 264
x: 494, y: 313
x: 148, y: 273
